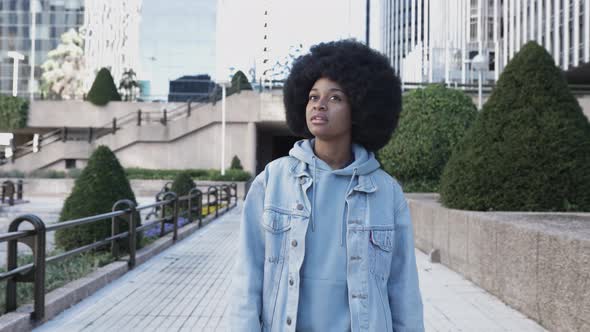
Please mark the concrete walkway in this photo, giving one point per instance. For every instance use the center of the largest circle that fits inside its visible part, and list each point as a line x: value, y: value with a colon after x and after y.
x: 185, y: 288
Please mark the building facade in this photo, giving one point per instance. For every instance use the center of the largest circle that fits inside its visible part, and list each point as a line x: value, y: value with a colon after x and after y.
x: 111, y: 37
x: 53, y: 18
x: 437, y: 40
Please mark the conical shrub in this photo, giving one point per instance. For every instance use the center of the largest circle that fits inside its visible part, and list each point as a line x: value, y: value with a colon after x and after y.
x: 529, y: 149
x: 431, y: 123
x: 103, y: 89
x: 101, y: 184
x: 182, y: 184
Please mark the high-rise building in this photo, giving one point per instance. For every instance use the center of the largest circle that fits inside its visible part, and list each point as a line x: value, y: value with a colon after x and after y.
x: 53, y: 18
x: 111, y: 37
x: 436, y: 41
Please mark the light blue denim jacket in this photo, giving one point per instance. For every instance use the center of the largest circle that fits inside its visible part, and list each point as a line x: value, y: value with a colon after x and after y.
x: 383, y: 290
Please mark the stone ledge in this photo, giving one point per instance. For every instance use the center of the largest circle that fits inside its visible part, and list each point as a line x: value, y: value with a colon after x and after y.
x: 536, y: 262
x: 75, y: 291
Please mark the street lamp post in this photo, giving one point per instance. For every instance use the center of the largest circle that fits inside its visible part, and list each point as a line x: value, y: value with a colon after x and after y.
x: 480, y: 63
x: 223, y: 95
x: 16, y: 57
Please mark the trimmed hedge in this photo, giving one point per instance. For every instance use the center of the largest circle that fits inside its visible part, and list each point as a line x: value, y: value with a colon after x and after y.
x: 433, y: 120
x: 99, y: 186
x: 197, y: 174
x: 182, y: 183
x: 14, y: 112
x: 529, y: 150
x: 103, y: 89
x: 236, y: 163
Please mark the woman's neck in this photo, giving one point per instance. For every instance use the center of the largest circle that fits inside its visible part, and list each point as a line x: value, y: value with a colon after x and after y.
x: 337, y: 154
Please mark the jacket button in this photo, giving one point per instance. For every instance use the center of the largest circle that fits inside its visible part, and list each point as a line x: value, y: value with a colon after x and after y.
x: 291, y: 282
x: 299, y: 206
x: 294, y: 243
x: 288, y: 320
x: 302, y: 180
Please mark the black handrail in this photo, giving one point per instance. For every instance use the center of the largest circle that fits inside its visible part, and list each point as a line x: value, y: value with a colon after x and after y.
x: 36, y: 238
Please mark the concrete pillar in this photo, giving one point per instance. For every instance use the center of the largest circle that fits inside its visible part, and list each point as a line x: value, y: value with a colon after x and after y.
x: 250, y: 163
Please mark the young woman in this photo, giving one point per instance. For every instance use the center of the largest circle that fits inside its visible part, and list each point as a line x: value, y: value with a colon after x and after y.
x: 326, y: 239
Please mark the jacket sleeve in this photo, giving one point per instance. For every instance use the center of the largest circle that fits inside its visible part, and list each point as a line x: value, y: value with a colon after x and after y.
x: 405, y: 301
x: 246, y: 290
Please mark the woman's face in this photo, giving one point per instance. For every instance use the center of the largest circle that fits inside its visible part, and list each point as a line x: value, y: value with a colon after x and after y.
x: 328, y: 113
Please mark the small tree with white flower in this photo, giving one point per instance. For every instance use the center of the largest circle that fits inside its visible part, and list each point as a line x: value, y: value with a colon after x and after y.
x: 63, y: 71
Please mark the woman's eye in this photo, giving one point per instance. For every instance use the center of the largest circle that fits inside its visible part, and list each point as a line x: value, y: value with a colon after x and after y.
x: 313, y: 97
x: 337, y: 98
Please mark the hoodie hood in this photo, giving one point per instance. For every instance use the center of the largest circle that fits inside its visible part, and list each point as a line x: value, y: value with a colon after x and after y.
x: 364, y: 161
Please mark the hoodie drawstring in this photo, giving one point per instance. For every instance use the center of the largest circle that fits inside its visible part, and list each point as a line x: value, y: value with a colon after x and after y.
x: 314, y: 184
x: 343, y: 225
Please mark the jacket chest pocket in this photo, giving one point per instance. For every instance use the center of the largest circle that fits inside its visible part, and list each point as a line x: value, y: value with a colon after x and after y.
x: 381, y: 244
x: 276, y: 226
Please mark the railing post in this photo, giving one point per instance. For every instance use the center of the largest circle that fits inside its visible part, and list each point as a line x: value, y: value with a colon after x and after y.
x: 37, y: 275
x: 139, y: 117
x: 188, y: 110
x: 90, y: 133
x: 174, y: 213
x: 39, y: 143
x: 114, y: 231
x: 114, y: 125
x: 19, y: 190
x: 131, y: 231
x: 64, y: 134
x: 165, y: 117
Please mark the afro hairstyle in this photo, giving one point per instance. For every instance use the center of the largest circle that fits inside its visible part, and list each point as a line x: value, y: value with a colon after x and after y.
x: 368, y: 80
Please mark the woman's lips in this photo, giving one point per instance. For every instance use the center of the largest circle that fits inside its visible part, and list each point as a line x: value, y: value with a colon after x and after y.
x: 318, y: 119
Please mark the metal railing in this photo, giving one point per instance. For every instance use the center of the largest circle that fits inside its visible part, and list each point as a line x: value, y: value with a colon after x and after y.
x: 36, y: 238
x: 139, y: 118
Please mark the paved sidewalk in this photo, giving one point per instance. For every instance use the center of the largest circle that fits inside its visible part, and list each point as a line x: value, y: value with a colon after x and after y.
x: 185, y: 288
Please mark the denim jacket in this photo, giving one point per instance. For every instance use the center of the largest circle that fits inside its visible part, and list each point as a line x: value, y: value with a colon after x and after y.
x: 382, y: 279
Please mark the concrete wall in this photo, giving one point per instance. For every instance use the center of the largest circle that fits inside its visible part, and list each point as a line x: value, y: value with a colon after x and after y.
x: 141, y: 188
x: 76, y: 113
x: 538, y: 263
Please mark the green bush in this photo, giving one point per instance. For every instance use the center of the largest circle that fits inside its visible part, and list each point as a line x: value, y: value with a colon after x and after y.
x: 235, y: 163
x: 47, y: 174
x: 182, y: 183
x: 101, y: 184
x: 433, y: 120
x: 239, y: 82
x: 529, y: 149
x: 13, y: 112
x: 12, y: 174
x: 197, y: 174
x: 103, y: 89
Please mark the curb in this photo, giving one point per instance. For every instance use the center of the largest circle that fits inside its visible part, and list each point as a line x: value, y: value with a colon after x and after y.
x: 75, y: 291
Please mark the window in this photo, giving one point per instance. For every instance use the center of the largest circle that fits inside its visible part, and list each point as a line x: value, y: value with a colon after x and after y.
x: 70, y: 163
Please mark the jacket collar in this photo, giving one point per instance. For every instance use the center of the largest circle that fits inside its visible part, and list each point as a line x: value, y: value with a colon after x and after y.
x: 365, y: 184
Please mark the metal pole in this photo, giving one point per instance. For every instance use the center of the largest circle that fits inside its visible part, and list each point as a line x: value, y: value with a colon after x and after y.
x: 479, y: 88
x: 33, y: 36
x: 223, y: 129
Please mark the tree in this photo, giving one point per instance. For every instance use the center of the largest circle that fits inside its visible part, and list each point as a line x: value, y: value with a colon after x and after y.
x: 101, y: 184
x: 64, y: 68
x: 239, y: 82
x: 103, y: 89
x: 432, y: 122
x: 528, y: 150
x: 129, y: 85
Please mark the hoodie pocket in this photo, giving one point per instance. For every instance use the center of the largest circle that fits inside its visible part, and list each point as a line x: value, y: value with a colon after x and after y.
x: 381, y: 251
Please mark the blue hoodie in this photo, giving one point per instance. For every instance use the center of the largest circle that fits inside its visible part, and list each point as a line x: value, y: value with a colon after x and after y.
x: 323, y: 295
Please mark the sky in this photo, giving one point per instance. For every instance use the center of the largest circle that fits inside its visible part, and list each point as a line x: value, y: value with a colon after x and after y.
x: 189, y: 37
